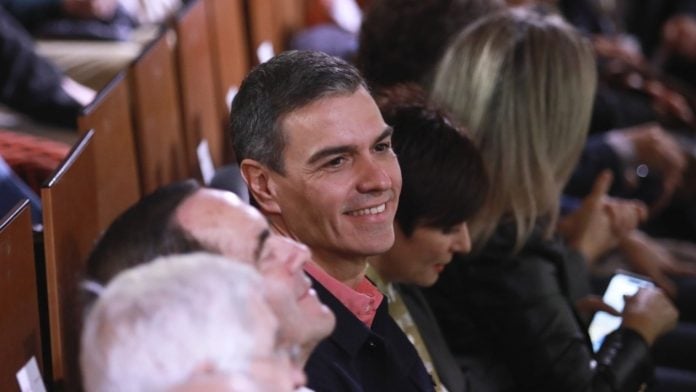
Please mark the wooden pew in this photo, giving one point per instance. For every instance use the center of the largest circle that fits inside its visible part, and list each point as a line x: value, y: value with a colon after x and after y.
x: 157, y: 120
x: 198, y: 102
x: 111, y: 118
x: 228, y: 38
x: 70, y: 229
x: 272, y: 22
x: 20, y: 332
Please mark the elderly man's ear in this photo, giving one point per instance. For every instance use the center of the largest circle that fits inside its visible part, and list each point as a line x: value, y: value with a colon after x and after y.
x: 261, y: 185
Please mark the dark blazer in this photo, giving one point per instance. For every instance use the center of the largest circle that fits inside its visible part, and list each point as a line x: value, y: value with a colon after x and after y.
x: 445, y: 364
x: 356, y: 358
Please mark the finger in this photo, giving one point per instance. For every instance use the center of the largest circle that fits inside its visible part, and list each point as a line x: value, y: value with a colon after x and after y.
x: 603, y: 306
x: 602, y: 184
x: 592, y: 303
x: 681, y: 268
x: 624, y: 216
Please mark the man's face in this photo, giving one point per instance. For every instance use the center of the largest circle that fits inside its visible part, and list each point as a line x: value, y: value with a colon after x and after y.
x: 341, y: 184
x: 269, y: 369
x: 419, y: 258
x: 224, y: 224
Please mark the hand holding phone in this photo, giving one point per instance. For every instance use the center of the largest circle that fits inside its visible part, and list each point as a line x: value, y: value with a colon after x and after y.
x: 650, y: 313
x: 622, y: 284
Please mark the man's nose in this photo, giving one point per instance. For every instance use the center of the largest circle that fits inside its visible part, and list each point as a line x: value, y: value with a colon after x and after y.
x: 298, y: 254
x: 373, y: 175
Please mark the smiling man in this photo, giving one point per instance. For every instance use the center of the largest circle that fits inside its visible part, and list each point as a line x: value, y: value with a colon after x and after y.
x: 317, y: 158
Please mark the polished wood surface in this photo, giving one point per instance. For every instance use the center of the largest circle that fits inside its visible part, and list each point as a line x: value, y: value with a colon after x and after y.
x: 198, y: 103
x: 70, y: 230
x: 115, y: 156
x: 157, y: 120
x: 20, y: 333
x: 228, y: 38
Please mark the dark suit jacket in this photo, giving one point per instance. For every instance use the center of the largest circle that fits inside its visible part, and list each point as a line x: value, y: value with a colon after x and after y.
x: 29, y: 83
x: 356, y: 358
x: 447, y: 369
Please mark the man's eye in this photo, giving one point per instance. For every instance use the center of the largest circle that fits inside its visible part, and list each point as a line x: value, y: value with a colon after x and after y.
x: 452, y: 229
x: 336, y: 162
x: 384, y: 146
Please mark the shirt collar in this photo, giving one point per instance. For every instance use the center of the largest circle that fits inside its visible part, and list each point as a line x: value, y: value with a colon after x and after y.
x: 362, y: 301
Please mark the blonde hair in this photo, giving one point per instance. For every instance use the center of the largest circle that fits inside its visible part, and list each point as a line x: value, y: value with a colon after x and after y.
x: 523, y: 83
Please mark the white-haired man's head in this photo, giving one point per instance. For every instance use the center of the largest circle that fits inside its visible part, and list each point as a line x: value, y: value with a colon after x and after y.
x: 161, y: 324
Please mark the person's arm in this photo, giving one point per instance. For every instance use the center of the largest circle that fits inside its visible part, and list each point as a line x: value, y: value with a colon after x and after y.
x: 521, y: 306
x: 29, y: 83
x: 601, y: 222
x: 30, y: 12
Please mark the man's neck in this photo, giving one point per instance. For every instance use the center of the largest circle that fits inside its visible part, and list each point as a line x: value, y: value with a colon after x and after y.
x: 346, y: 269
x: 349, y: 271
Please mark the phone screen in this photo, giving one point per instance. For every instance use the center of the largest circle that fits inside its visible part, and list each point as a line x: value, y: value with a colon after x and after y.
x: 604, y: 323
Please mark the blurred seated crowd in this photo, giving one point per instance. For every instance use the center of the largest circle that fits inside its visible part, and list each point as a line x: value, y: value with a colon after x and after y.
x: 439, y: 193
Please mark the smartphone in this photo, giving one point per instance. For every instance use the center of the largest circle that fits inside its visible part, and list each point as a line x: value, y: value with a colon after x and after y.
x: 603, y: 323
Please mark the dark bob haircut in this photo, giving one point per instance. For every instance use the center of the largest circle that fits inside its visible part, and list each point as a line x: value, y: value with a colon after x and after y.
x: 444, y: 180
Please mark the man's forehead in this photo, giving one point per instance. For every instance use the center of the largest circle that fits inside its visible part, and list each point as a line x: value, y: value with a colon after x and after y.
x: 333, y: 120
x: 219, y: 205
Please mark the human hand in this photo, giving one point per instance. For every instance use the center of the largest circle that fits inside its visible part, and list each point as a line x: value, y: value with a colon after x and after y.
x: 650, y: 313
x: 589, y: 305
x: 618, y: 48
x: 601, y: 221
x: 90, y: 9
x: 648, y: 257
x: 668, y: 102
x: 679, y: 36
x: 645, y: 257
x: 658, y: 150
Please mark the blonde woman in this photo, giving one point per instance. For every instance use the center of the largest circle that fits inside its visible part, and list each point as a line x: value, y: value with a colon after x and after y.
x: 523, y: 83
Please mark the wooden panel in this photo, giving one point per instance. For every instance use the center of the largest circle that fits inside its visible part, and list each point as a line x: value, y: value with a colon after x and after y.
x: 199, y: 105
x: 118, y: 182
x: 20, y: 335
x: 70, y: 230
x: 264, y: 26
x: 274, y: 21
x: 230, y: 54
x: 157, y: 119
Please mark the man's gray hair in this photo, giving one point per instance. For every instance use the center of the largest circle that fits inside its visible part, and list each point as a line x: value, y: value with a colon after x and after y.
x: 155, y: 325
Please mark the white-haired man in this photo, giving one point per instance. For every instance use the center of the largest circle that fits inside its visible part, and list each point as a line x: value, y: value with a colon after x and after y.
x: 180, y: 320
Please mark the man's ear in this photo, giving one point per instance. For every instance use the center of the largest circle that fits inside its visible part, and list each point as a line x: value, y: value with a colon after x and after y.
x: 261, y: 185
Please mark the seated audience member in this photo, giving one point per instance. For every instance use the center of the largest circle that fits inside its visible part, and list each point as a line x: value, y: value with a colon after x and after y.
x: 393, y: 47
x: 33, y: 13
x: 32, y: 85
x: 510, y: 305
x: 149, y: 12
x: 316, y: 156
x: 183, y: 218
x: 444, y: 183
x: 649, y: 162
x: 333, y: 30
x: 91, y: 40
x: 179, y: 320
